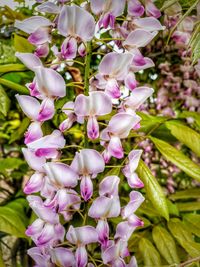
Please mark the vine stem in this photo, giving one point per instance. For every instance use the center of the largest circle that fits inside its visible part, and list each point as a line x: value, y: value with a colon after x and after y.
x: 189, y: 261
x: 86, y: 84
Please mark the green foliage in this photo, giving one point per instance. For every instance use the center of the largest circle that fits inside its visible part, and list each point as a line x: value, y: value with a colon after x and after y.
x: 21, y: 44
x: 153, y: 190
x: 4, y: 102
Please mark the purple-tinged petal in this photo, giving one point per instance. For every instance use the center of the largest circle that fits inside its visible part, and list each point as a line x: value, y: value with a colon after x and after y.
x: 149, y: 24
x: 133, y: 262
x: 66, y: 124
x: 54, y: 140
x: 109, y: 186
x: 135, y: 8
x: 88, y: 161
x: 100, y: 103
x: 134, y: 157
x: 69, y: 48
x: 35, y: 228
x: 42, y: 50
x: 82, y: 105
x: 41, y: 211
x: 40, y: 36
x: 97, y: 6
x: 121, y: 124
x: 151, y: 9
x: 107, y: 20
x: 138, y: 97
x: 62, y: 257
x: 81, y: 257
x: 32, y: 24
x: 124, y: 231
x: 29, y: 60
x: 82, y: 235
x: 106, y: 156
x: 48, y: 7
x: 142, y: 65
x: 42, y: 259
x: 115, y: 147
x: 134, y: 181
x: 34, y: 184
x: 47, y: 235
x: 73, y: 19
x: 112, y: 88
x: 82, y: 50
x: 130, y: 81
x: 103, y: 232
x: 47, y: 110
x: 86, y: 187
x: 135, y: 221
x: 49, y: 153
x: 33, y: 133
x: 29, y: 105
x: 139, y: 38
x: 104, y: 207
x: 92, y: 128
x: 33, y: 161
x: 61, y: 174
x: 50, y: 82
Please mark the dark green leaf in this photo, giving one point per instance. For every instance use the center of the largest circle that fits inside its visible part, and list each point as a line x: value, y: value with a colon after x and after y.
x: 150, y: 255
x: 188, y: 206
x: 177, y: 158
x: 165, y: 244
x: 18, y: 134
x: 4, y: 102
x: 191, y: 114
x: 185, y: 135
x: 153, y: 190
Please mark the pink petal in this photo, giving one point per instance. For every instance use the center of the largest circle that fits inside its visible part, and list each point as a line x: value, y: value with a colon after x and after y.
x: 135, y: 221
x: 29, y: 60
x: 103, y: 232
x: 32, y: 24
x: 47, y: 110
x: 92, y: 128
x: 33, y: 133
x: 107, y: 20
x: 135, y: 8
x: 29, y: 105
x: 50, y: 82
x: 42, y: 50
x: 72, y: 21
x: 34, y: 184
x: 88, y: 161
x: 82, y: 105
x: 69, y: 48
x: 61, y: 174
x: 124, y: 231
x: 134, y: 157
x: 81, y: 256
x: 35, y: 228
x: 33, y: 161
x: 115, y: 147
x: 112, y: 88
x: 142, y: 65
x: 130, y: 81
x: 139, y: 38
x: 138, y: 97
x: 97, y: 6
x: 151, y: 9
x: 109, y: 186
x: 149, y: 24
x: 82, y: 50
x: 133, y: 262
x: 38, y: 255
x: 62, y: 257
x: 134, y: 181
x: 86, y: 187
x: 100, y: 103
x: 40, y: 36
x: 82, y: 235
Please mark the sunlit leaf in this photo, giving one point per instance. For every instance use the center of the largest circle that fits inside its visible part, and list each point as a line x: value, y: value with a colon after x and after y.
x: 4, y: 102
x: 21, y: 44
x: 153, y: 190
x: 188, y: 206
x: 150, y: 255
x: 192, y: 221
x: 177, y: 158
x: 186, y: 194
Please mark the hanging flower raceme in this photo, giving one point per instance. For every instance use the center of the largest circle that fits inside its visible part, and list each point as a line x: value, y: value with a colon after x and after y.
x: 90, y: 107
x: 77, y: 25
x: 87, y: 164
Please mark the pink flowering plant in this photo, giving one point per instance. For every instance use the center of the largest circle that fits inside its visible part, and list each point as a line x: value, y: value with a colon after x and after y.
x: 90, y: 130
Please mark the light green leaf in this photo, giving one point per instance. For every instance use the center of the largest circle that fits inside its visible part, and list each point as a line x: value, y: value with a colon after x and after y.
x: 153, y: 190
x: 12, y: 67
x: 165, y: 244
x: 177, y: 158
x: 150, y: 255
x: 188, y: 206
x: 196, y: 49
x: 191, y: 114
x: 4, y: 102
x: 18, y: 134
x: 21, y: 44
x: 184, y: 237
x: 1, y: 258
x: 17, y: 87
x: 10, y: 163
x: 185, y: 194
x: 11, y: 223
x: 185, y: 135
x: 192, y: 221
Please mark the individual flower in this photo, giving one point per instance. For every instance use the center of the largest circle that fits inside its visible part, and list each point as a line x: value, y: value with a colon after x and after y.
x: 75, y: 24
x: 62, y: 257
x: 135, y: 8
x: 90, y: 107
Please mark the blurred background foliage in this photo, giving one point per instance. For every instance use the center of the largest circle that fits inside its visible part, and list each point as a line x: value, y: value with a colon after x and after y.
x: 169, y: 135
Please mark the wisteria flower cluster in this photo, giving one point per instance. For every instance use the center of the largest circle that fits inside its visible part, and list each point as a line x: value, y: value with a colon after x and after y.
x: 58, y: 192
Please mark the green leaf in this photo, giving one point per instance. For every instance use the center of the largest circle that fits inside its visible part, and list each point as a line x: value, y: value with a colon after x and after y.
x: 186, y: 194
x: 4, y: 102
x: 191, y: 114
x: 188, y: 206
x: 196, y: 49
x: 153, y: 190
x: 185, y: 135
x: 177, y: 158
x: 11, y: 223
x: 18, y: 134
x: 150, y: 255
x: 1, y: 258
x: 148, y: 122
x: 165, y: 244
x: 12, y: 67
x: 20, y: 206
x: 17, y: 87
x: 192, y: 221
x: 172, y: 207
x: 21, y: 44
x: 10, y: 164
x: 184, y: 237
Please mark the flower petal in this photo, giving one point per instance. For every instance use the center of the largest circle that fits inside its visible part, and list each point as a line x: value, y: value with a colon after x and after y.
x: 135, y: 8
x: 34, y: 184
x: 149, y: 24
x: 47, y: 110
x: 48, y: 7
x: 29, y: 105
x: 33, y: 161
x: 139, y: 38
x: 109, y: 186
x: 69, y: 48
x: 82, y: 235
x: 62, y: 257
x: 33, y: 133
x: 29, y: 60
